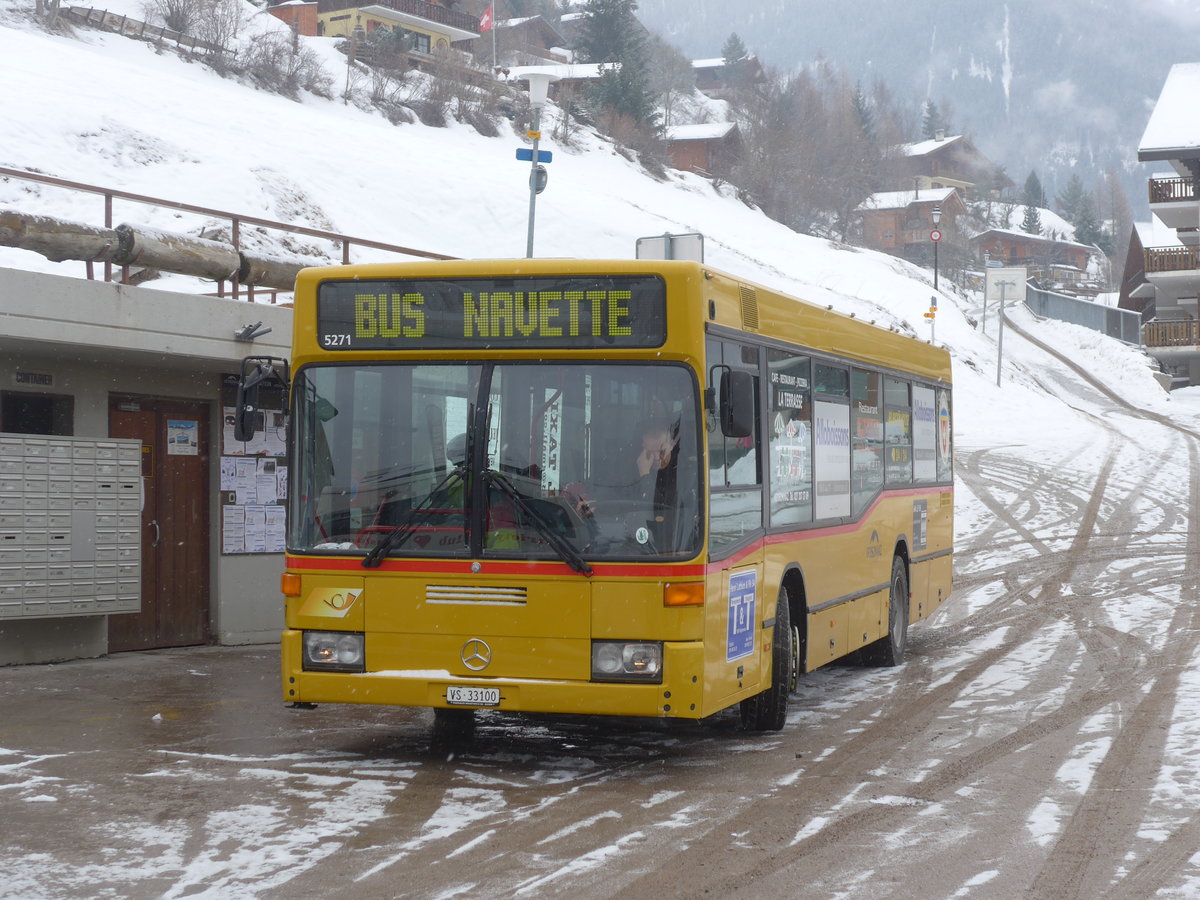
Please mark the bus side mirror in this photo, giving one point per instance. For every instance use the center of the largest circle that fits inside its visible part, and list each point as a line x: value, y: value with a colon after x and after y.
x: 255, y: 370
x: 737, y: 403
x: 246, y: 412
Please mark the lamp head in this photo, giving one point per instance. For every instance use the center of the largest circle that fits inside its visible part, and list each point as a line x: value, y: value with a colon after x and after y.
x: 539, y: 86
x: 937, y: 214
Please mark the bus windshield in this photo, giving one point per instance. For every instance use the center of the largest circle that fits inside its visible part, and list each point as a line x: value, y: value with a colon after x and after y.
x: 557, y: 461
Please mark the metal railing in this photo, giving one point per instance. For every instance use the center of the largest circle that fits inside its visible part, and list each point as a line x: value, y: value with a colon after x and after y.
x: 1172, y: 190
x: 1122, y: 324
x: 135, y: 28
x: 236, y: 221
x: 1171, y: 334
x: 1171, y: 259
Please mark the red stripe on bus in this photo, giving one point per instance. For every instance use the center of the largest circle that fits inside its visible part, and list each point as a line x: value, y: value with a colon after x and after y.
x: 618, y: 570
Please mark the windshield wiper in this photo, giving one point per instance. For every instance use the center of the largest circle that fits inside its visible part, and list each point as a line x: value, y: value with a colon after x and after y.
x: 560, y: 544
x: 408, y: 524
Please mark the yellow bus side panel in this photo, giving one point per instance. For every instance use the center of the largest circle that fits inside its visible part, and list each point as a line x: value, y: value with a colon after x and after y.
x: 727, y: 680
x: 842, y: 563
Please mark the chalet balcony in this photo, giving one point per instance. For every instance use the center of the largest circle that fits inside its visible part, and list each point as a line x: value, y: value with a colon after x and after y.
x: 1174, y: 200
x: 1174, y: 271
x: 1171, y: 334
x: 1172, y: 261
x: 418, y: 9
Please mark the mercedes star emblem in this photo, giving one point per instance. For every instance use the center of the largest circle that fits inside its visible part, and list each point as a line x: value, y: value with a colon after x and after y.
x: 476, y: 654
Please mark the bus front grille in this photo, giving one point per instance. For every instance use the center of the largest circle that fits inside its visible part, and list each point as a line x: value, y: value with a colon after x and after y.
x: 475, y: 595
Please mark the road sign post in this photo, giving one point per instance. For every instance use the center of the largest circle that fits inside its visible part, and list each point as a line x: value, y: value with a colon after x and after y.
x: 539, y: 85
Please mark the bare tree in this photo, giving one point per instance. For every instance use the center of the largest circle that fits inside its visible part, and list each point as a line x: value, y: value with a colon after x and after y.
x: 221, y: 22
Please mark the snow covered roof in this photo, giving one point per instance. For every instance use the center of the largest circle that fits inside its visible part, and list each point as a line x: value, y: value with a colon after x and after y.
x: 704, y: 132
x: 538, y: 21
x: 574, y: 72
x: 1051, y: 221
x: 920, y: 148
x: 1026, y: 236
x: 901, y: 199
x: 1174, y: 125
x: 1156, y: 233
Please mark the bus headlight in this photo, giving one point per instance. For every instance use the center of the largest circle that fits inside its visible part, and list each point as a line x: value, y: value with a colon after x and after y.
x: 334, y: 651
x: 627, y: 661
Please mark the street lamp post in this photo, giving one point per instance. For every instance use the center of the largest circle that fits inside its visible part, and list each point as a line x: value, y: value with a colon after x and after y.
x: 539, y: 86
x: 936, y: 236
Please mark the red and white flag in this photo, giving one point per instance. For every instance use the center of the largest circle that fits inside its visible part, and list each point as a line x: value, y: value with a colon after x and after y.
x: 485, y: 22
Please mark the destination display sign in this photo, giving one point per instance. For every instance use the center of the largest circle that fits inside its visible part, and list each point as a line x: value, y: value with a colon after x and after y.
x: 553, y: 312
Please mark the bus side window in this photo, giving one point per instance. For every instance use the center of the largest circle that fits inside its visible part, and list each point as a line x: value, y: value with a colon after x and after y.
x: 734, y: 464
x: 866, y: 456
x: 924, y: 435
x: 897, y: 431
x: 789, y: 430
x: 945, y: 438
x: 831, y: 454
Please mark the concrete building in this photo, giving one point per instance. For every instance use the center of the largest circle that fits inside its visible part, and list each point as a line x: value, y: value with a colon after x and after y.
x: 1172, y: 138
x: 88, y: 364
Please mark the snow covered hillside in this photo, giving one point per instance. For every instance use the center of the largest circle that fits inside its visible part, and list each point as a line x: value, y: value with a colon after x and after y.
x: 115, y: 112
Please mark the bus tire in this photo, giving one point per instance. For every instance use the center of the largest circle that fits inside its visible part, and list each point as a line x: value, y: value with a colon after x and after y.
x: 889, y: 650
x: 767, y: 711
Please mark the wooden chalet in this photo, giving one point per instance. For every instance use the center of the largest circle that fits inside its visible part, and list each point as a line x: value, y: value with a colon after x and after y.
x: 901, y: 222
x: 945, y: 162
x: 707, y: 149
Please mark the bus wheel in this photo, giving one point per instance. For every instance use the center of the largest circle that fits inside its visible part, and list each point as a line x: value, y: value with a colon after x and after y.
x: 768, y: 711
x: 889, y: 651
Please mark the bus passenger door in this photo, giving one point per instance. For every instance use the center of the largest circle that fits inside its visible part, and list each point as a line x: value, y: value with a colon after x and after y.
x: 738, y: 600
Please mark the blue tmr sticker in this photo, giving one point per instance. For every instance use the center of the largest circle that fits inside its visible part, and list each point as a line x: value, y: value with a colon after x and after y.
x: 743, y: 591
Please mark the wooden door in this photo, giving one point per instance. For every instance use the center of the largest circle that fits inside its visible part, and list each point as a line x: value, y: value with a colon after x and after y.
x: 175, y: 523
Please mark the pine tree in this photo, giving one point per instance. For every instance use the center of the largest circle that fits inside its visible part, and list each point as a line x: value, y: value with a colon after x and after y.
x: 1087, y: 221
x: 1070, y: 200
x: 1035, y: 195
x: 609, y: 33
x: 1032, y: 222
x: 864, y: 114
x: 1034, y: 200
x: 932, y: 121
x: 734, y: 51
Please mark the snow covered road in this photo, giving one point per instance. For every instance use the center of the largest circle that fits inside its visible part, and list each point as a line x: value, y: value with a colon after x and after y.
x: 1041, y: 741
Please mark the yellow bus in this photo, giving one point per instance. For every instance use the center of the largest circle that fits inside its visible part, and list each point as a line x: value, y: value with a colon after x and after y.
x: 628, y: 488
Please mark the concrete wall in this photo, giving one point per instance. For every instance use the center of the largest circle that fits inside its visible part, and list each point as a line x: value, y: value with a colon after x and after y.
x: 99, y: 339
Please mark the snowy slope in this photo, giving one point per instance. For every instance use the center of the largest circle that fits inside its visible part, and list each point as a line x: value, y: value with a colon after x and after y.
x: 109, y: 111
x: 114, y: 112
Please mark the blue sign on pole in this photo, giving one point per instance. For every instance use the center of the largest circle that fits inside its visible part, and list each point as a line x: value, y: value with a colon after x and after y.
x: 525, y: 154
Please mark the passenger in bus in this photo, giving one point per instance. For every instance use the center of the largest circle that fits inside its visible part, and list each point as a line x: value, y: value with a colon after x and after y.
x: 655, y: 473
x: 657, y: 452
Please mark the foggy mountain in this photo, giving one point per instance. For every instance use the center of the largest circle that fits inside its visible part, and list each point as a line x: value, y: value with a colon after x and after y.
x: 1035, y: 84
